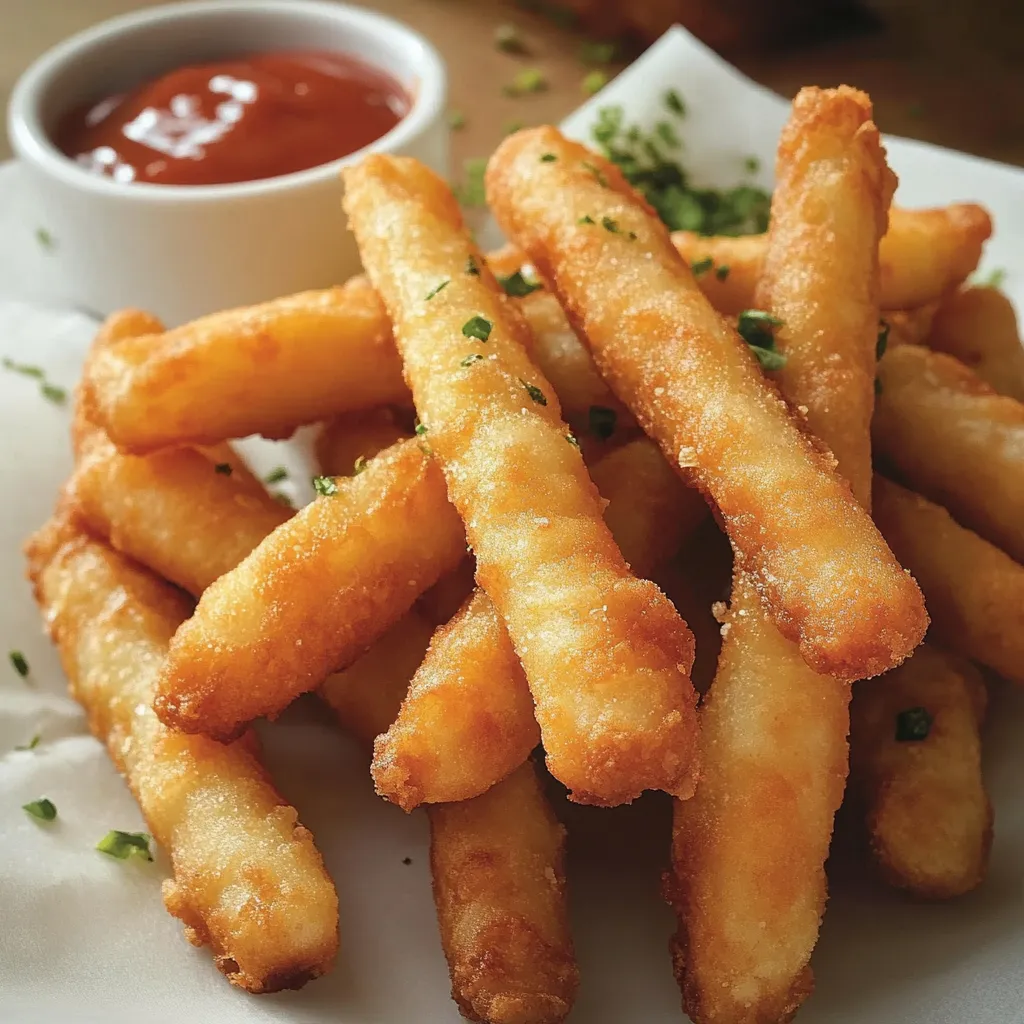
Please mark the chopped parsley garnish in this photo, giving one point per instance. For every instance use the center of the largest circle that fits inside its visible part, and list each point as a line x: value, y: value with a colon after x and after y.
x: 548, y: 158
x: 645, y: 161
x: 610, y: 225
x: 756, y: 327
x: 586, y: 219
x: 596, y: 172
x: 420, y: 429
x: 470, y: 360
x: 534, y: 392
x: 674, y: 102
x: 593, y: 82
x: 31, y: 745
x: 477, y: 327
x: 702, y: 266
x: 19, y: 663
x: 592, y: 52
x: 49, y: 391
x: 517, y: 286
x: 752, y: 165
x: 456, y: 120
x: 123, y: 845
x: 275, y: 476
x: 994, y: 279
x: 471, y: 192
x: 913, y: 725
x: 509, y: 39
x: 471, y: 266
x: 571, y: 438
x: 602, y: 421
x: 883, y: 339
x: 223, y: 468
x: 325, y: 486
x: 36, y: 372
x: 722, y: 272
x: 526, y: 81
x: 282, y: 499
x: 667, y: 134
x: 359, y: 465
x: 42, y: 809
x: 433, y: 291
x: 45, y: 239
x: 53, y: 393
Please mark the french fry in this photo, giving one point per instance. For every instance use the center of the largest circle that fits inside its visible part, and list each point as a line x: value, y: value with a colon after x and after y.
x: 173, y: 511
x: 606, y: 655
x: 749, y: 853
x: 950, y: 437
x: 467, y: 721
x: 820, y: 270
x: 312, y: 596
x: 974, y: 591
x: 924, y: 255
x: 344, y: 439
x: 229, y: 463
x: 247, y: 879
x: 499, y: 888
x: 978, y: 326
x: 916, y: 762
x: 823, y: 569
x: 264, y: 369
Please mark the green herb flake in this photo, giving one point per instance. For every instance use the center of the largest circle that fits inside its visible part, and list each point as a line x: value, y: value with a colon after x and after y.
x: 43, y: 809
x: 913, y: 725
x: 702, y: 266
x: 751, y: 165
x: 433, y: 291
x: 420, y: 429
x: 325, y: 486
x: 586, y: 219
x: 45, y: 239
x: 596, y: 172
x: 19, y: 663
x: 611, y: 225
x: 31, y: 745
x: 517, y: 286
x: 471, y: 191
x: 123, y: 845
x: 275, y: 476
x: 593, y: 52
x: 509, y: 39
x: 471, y: 266
x: 526, y: 81
x: 883, y: 338
x: 756, y: 328
x: 477, y: 327
x: 602, y: 421
x: 722, y: 272
x: 469, y: 360
x: 456, y: 120
x: 593, y: 82
x: 994, y: 279
x: 53, y: 393
x: 36, y: 372
x: 223, y: 468
x: 768, y: 358
x: 534, y: 392
x: 548, y: 158
x: 667, y: 134
x: 674, y: 103
x: 571, y: 438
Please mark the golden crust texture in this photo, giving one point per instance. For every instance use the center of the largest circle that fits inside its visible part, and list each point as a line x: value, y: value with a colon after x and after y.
x: 312, y: 596
x: 825, y: 572
x: 248, y: 880
x: 499, y: 888
x: 606, y: 654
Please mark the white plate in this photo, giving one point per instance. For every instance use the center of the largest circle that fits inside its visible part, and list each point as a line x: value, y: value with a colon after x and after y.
x: 84, y: 938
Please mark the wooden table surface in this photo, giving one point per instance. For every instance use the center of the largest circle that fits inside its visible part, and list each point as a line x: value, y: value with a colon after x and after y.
x: 949, y: 72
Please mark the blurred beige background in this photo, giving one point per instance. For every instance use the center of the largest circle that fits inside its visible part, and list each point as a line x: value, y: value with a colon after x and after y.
x: 949, y: 71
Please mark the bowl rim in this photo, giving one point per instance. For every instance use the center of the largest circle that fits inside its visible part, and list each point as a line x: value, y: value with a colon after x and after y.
x: 32, y: 143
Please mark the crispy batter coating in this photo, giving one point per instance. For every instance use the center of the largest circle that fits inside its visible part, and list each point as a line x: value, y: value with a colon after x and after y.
x: 950, y: 437
x: 247, y: 880
x: 172, y: 511
x: 820, y: 270
x: 978, y: 326
x: 468, y: 720
x: 928, y: 814
x: 312, y: 596
x: 605, y: 653
x: 748, y: 881
x: 924, y: 255
x: 499, y: 887
x: 824, y: 571
x: 262, y: 369
x: 974, y: 591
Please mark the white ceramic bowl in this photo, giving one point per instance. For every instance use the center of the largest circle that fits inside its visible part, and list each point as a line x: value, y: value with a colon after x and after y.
x: 181, y: 251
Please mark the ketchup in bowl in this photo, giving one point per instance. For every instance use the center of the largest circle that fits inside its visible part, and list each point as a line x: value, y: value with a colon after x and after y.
x: 236, y: 120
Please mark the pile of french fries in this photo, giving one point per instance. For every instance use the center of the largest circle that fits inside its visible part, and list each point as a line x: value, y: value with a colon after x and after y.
x: 503, y: 477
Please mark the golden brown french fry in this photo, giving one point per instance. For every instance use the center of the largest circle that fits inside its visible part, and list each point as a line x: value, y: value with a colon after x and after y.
x: 312, y: 596
x: 264, y: 369
x: 820, y: 270
x: 907, y: 326
x: 468, y: 719
x: 825, y: 572
x: 345, y: 439
x: 974, y: 591
x: 247, y: 879
x: 499, y: 887
x: 173, y: 511
x: 978, y: 326
x: 606, y: 655
x: 915, y: 760
x: 924, y: 255
x: 229, y: 463
x: 748, y: 851
x: 950, y: 437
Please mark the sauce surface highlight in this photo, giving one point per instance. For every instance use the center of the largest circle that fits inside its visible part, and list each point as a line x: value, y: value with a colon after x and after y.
x: 236, y: 120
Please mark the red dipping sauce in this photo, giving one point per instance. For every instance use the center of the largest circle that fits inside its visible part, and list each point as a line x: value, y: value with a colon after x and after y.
x: 236, y: 120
